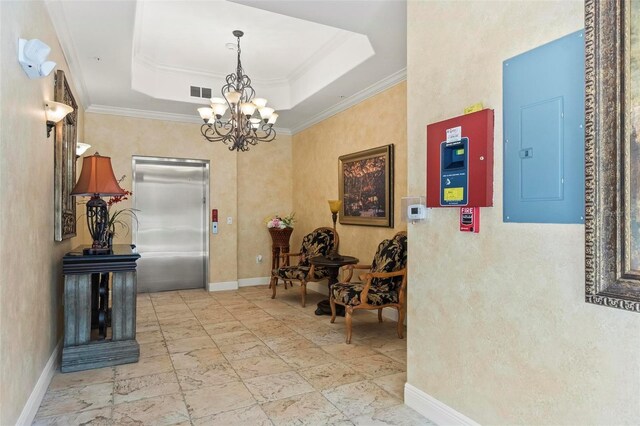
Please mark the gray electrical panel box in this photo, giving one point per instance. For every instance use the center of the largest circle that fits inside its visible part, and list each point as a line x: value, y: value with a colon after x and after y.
x: 543, y: 102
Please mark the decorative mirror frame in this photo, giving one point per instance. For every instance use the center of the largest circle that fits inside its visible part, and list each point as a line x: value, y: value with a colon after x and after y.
x: 611, y: 250
x: 65, y: 162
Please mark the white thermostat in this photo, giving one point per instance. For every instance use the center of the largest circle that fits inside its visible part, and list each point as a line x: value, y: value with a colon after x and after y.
x: 416, y: 212
x: 414, y: 209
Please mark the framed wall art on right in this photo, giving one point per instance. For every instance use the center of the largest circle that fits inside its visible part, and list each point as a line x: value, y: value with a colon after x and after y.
x: 612, y: 153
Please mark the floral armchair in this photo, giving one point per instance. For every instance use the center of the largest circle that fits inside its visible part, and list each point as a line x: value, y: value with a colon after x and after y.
x: 318, y: 243
x: 383, y: 286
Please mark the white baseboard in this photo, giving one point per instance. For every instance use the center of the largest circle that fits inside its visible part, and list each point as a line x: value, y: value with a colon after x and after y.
x: 248, y: 282
x: 222, y: 286
x: 434, y: 410
x: 30, y: 409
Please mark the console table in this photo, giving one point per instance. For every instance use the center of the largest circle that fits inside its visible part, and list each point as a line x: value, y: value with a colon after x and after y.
x: 99, y: 309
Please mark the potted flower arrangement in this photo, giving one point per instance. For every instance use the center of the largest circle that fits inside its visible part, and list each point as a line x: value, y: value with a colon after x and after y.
x: 280, y: 229
x: 279, y: 222
x: 116, y: 216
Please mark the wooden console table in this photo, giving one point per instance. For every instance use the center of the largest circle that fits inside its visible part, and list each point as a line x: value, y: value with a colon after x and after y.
x: 90, y: 308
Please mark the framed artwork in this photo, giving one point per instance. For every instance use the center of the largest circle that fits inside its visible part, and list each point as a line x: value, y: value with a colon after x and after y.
x: 366, y: 187
x: 612, y: 154
x: 65, y: 162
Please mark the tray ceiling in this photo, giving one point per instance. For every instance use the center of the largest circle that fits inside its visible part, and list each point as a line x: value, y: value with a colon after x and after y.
x: 307, y: 57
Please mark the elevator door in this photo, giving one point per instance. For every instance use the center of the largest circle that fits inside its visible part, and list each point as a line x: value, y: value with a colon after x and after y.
x: 171, y: 198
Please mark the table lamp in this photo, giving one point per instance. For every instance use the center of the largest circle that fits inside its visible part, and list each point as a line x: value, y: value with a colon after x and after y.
x: 334, y: 206
x: 97, y: 180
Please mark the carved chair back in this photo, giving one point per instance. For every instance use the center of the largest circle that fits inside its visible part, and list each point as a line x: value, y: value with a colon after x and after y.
x: 391, y: 256
x: 318, y: 243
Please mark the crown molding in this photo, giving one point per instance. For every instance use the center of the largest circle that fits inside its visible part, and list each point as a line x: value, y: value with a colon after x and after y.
x: 282, y: 131
x: 143, y: 113
x: 65, y: 40
x: 156, y: 115
x: 374, y: 89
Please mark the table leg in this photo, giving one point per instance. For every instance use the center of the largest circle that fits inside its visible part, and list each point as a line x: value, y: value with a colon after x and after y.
x: 324, y: 307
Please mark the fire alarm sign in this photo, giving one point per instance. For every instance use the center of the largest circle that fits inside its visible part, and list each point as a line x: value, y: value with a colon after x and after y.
x: 470, y: 219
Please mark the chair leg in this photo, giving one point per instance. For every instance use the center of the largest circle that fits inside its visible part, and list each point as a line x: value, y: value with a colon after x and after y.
x: 303, y: 290
x: 332, y: 302
x: 347, y: 320
x: 380, y: 315
x: 273, y: 284
x: 400, y: 321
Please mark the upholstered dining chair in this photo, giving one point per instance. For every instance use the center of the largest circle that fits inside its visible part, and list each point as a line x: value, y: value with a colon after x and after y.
x: 318, y: 243
x: 384, y: 286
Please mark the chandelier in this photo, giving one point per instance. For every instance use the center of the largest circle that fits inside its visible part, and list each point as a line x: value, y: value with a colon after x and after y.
x: 242, y: 127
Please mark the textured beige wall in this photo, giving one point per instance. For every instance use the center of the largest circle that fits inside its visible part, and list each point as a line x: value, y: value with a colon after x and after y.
x: 123, y: 137
x: 31, y: 277
x: 379, y: 120
x: 264, y: 189
x: 498, y: 328
x: 246, y: 186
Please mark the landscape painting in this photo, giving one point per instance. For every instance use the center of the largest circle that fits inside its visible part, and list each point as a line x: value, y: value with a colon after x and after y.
x: 366, y: 187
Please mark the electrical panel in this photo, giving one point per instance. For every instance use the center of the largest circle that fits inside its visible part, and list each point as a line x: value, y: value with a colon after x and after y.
x: 543, y: 96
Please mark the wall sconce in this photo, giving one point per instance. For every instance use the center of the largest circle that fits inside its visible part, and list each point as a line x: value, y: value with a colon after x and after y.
x: 55, y: 111
x: 81, y: 148
x: 32, y: 55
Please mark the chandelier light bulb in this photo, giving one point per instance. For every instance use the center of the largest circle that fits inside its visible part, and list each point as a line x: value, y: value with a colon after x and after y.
x: 273, y: 118
x: 219, y: 109
x: 266, y: 113
x: 247, y: 108
x: 259, y: 102
x: 233, y: 97
x: 255, y: 123
x: 205, y: 113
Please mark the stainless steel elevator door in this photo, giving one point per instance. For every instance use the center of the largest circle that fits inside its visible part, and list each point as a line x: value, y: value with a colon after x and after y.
x: 171, y: 198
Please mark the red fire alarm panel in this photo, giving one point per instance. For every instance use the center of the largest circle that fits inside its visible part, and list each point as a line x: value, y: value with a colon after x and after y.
x: 460, y: 161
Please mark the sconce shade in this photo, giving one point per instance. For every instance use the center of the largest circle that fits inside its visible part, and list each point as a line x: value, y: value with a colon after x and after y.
x: 335, y: 205
x: 81, y: 148
x: 97, y: 177
x: 56, y: 111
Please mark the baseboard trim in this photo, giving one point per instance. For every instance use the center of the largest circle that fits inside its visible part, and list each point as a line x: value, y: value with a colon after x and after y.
x: 434, y: 410
x: 222, y: 286
x: 249, y: 282
x: 30, y: 409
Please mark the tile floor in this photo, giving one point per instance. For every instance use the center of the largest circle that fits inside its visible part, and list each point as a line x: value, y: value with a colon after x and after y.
x: 240, y: 358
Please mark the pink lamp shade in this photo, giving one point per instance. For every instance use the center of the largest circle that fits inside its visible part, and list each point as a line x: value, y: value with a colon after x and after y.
x: 97, y: 177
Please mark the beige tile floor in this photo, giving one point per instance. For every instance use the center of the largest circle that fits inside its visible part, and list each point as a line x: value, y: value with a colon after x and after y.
x: 241, y: 358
